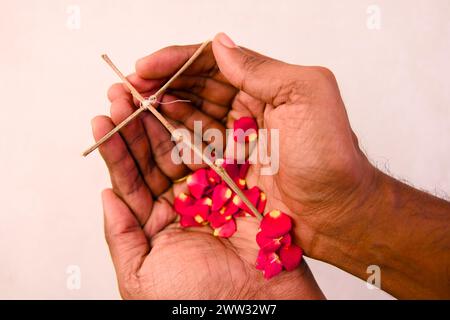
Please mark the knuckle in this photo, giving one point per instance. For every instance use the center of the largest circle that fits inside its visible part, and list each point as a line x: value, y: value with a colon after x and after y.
x: 294, y: 91
x: 128, y: 289
x: 130, y: 285
x: 324, y: 72
x: 112, y: 91
x: 162, y: 148
x: 252, y: 63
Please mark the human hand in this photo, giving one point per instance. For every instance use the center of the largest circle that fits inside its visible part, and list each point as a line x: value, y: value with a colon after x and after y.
x: 323, y: 175
x: 153, y: 256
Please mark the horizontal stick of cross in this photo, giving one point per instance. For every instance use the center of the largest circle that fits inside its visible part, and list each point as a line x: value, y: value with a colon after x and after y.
x: 147, y: 104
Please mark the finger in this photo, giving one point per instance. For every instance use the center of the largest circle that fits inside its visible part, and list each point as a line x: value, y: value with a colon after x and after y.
x: 164, y: 149
x: 214, y: 110
x: 118, y: 90
x: 125, y: 177
x: 187, y: 114
x: 206, y: 88
x: 144, y: 85
x: 162, y: 146
x: 162, y: 215
x: 126, y: 240
x: 167, y: 61
x: 135, y: 137
x: 244, y: 105
x: 261, y: 77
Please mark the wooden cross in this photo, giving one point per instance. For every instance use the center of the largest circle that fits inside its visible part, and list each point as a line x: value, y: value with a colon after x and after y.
x: 148, y: 104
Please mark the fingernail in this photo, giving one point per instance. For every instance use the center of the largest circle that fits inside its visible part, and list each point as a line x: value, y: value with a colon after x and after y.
x: 226, y: 41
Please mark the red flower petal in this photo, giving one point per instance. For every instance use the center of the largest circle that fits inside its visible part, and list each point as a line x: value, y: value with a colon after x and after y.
x: 213, y: 177
x: 243, y: 170
x: 219, y: 218
x: 272, y: 269
x: 233, y: 170
x: 286, y: 240
x: 245, y: 126
x: 242, y: 184
x: 275, y: 224
x: 270, y: 264
x: 206, y: 201
x: 290, y: 256
x: 262, y: 202
x: 226, y: 230
x: 252, y: 195
x: 262, y: 259
x: 268, y: 244
x: 189, y: 221
x: 198, y: 183
x: 198, y: 211
x: 230, y: 166
x: 221, y: 195
x: 181, y: 202
x: 231, y: 208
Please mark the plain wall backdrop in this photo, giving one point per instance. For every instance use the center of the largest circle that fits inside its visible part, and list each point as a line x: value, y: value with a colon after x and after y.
x: 394, y: 81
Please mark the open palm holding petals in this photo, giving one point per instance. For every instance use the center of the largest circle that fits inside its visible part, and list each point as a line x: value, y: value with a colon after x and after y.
x: 211, y: 201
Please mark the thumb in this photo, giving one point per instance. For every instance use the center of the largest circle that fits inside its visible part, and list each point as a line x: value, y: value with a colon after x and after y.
x: 261, y: 77
x: 125, y: 237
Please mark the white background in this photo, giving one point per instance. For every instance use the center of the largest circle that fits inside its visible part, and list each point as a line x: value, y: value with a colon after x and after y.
x: 394, y: 82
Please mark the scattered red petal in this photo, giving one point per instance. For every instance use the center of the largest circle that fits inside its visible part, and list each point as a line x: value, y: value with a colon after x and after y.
x: 182, y: 201
x: 242, y: 184
x: 231, y: 208
x: 206, y: 201
x: 188, y: 221
x: 198, y: 183
x: 243, y: 169
x: 219, y: 218
x: 272, y: 269
x: 286, y: 239
x: 290, y: 256
x: 221, y: 195
x: 245, y: 126
x: 270, y: 264
x: 262, y: 202
x: 230, y: 166
x: 262, y: 259
x: 252, y: 195
x: 275, y: 224
x: 226, y: 230
x: 268, y: 244
x: 213, y: 177
x: 197, y: 212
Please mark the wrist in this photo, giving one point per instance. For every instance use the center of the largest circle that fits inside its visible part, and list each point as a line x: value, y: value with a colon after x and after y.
x: 349, y: 218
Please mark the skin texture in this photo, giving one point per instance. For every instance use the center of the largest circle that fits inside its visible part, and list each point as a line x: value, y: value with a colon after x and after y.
x: 154, y: 257
x: 345, y: 211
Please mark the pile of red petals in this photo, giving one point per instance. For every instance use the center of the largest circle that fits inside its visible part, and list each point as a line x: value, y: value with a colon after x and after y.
x: 245, y: 129
x: 276, y: 250
x: 211, y: 201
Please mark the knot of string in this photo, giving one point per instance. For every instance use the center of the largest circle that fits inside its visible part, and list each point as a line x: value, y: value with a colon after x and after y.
x: 151, y: 101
